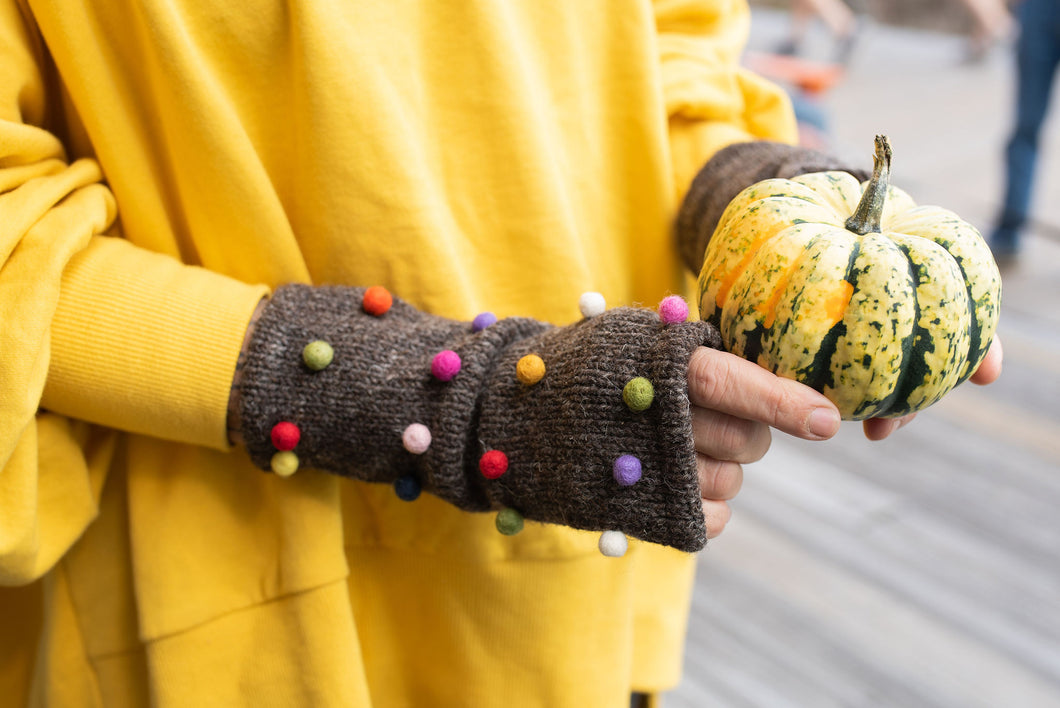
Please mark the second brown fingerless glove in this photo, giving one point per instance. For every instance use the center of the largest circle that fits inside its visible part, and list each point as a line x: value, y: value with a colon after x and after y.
x: 730, y: 171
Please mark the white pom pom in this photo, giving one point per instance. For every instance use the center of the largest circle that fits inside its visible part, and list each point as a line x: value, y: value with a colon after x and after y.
x: 613, y: 544
x: 416, y: 438
x: 592, y: 304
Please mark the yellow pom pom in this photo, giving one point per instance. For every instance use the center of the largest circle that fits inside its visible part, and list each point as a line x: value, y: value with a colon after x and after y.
x: 530, y: 369
x: 285, y: 463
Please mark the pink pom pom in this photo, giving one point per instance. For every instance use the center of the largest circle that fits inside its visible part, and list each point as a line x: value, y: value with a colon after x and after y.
x: 673, y: 309
x: 445, y: 365
x: 416, y: 438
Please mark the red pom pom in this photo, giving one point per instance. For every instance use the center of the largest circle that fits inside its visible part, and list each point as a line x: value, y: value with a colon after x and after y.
x: 285, y: 435
x: 377, y: 300
x: 493, y: 464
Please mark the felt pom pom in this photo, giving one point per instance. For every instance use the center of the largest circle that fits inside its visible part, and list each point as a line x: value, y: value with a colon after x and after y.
x: 627, y: 470
x: 318, y: 355
x: 284, y: 463
x: 445, y: 365
x: 638, y: 394
x: 285, y: 435
x: 416, y: 438
x: 613, y: 544
x: 530, y: 369
x: 493, y: 464
x: 673, y: 309
x: 509, y: 522
x: 592, y: 304
x: 407, y: 488
x: 482, y: 321
x: 377, y: 300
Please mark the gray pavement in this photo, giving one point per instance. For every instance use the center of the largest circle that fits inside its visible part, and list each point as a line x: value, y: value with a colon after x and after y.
x: 924, y: 570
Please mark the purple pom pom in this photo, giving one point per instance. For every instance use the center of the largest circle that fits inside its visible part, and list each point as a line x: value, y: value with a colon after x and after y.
x: 627, y: 470
x: 482, y: 321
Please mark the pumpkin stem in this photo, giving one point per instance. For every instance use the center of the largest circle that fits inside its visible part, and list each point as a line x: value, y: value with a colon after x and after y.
x: 866, y: 218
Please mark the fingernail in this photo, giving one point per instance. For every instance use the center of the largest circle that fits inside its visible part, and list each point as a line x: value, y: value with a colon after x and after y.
x: 824, y: 422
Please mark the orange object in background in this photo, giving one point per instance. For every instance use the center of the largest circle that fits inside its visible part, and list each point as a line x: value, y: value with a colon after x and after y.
x: 811, y: 76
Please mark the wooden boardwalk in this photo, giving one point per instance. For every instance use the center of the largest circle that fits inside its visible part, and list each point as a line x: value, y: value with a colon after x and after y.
x: 924, y: 570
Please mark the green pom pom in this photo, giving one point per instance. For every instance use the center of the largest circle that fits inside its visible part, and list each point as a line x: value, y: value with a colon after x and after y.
x: 638, y: 394
x: 317, y: 355
x: 509, y: 522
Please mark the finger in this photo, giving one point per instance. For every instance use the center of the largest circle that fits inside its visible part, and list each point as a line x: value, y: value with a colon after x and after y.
x: 990, y: 367
x: 718, y: 481
x: 724, y: 437
x: 881, y: 428
x: 726, y: 383
x: 716, y: 514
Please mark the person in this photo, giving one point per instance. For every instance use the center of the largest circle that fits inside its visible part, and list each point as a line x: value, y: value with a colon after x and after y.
x: 836, y: 15
x: 1037, y: 56
x: 993, y: 24
x: 195, y: 199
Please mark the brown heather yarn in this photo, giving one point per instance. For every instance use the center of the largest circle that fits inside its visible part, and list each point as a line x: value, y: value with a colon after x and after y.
x: 561, y: 435
x: 727, y: 174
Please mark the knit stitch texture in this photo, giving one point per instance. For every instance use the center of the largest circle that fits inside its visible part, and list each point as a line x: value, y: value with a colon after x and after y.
x: 729, y: 172
x: 561, y: 435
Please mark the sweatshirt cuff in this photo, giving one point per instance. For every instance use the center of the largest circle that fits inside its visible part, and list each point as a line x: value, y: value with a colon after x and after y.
x: 145, y: 344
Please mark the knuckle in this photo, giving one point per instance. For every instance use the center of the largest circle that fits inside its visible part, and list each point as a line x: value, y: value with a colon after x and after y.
x: 707, y: 378
x: 716, y: 515
x: 719, y: 480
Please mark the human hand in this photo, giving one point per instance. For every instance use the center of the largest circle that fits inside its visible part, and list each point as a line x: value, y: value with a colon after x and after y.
x: 734, y: 404
x: 988, y: 372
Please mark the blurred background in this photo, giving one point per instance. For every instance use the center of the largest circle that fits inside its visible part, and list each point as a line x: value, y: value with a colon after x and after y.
x: 923, y: 570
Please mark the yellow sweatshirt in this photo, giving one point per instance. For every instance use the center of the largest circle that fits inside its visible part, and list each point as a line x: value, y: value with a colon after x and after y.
x: 163, y: 163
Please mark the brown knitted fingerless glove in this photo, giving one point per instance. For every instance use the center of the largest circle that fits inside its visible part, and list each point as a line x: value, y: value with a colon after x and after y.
x: 562, y: 447
x: 727, y: 174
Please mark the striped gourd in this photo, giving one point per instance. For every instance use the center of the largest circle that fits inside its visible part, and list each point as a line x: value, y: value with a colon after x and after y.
x: 881, y: 305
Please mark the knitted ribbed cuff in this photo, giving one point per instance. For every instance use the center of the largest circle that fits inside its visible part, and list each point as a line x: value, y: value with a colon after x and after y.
x: 729, y: 172
x: 533, y: 420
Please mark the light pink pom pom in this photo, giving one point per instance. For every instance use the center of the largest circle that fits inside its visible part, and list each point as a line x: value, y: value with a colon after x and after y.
x: 416, y: 438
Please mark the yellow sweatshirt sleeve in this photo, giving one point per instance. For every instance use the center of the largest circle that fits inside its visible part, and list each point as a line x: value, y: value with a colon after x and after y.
x: 94, y: 328
x: 711, y: 101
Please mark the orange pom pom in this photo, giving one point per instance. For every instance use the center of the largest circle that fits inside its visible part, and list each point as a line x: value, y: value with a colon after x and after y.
x: 377, y: 300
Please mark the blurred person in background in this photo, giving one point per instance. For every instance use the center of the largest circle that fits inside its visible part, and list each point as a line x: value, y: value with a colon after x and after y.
x: 1037, y: 56
x: 993, y: 25
x: 836, y: 15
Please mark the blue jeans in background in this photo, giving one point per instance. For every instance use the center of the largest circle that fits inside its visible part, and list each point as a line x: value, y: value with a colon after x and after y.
x: 1037, y: 57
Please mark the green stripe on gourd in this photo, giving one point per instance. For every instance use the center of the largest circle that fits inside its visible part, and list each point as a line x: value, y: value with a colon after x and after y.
x: 881, y: 305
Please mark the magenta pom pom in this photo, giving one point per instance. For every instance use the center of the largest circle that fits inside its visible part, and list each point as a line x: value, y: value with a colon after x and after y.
x: 627, y: 470
x: 445, y: 365
x: 673, y: 309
